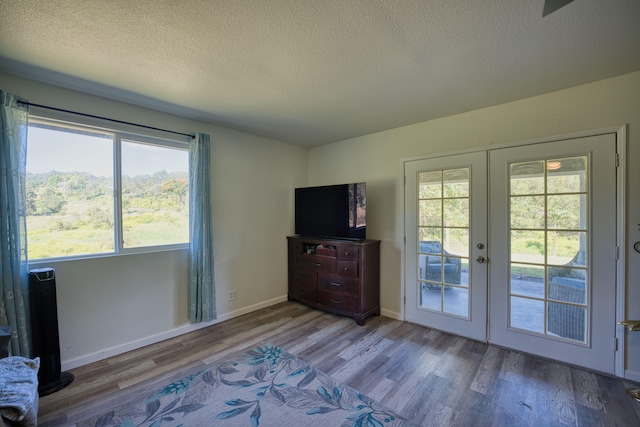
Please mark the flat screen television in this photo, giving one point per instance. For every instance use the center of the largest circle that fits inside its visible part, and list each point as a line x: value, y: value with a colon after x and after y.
x: 332, y: 211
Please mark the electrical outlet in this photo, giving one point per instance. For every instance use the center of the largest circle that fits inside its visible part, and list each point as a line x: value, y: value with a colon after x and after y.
x: 233, y: 295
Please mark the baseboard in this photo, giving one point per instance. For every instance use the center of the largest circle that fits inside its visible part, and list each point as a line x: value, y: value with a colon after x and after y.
x: 250, y: 309
x: 632, y: 376
x: 180, y: 330
x: 391, y: 314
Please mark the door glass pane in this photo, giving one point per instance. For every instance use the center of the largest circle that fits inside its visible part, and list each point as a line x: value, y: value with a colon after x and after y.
x: 567, y: 321
x: 527, y: 313
x: 443, y: 241
x: 566, y: 211
x: 549, y: 283
x: 534, y: 206
x: 567, y: 247
x: 569, y: 287
x: 456, y: 301
x: 456, y: 212
x: 456, y: 241
x: 430, y: 296
x: 527, y: 178
x: 527, y: 280
x: 456, y: 183
x: 430, y: 185
x: 430, y: 212
x: 527, y: 246
x: 567, y: 175
x: 430, y: 234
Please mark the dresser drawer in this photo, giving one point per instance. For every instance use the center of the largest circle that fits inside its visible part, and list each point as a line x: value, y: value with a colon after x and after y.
x: 295, y: 246
x: 303, y: 293
x: 295, y: 258
x: 347, y: 269
x: 319, y: 263
x: 303, y: 277
x: 335, y: 283
x: 295, y: 252
x: 339, y: 301
x: 347, y: 252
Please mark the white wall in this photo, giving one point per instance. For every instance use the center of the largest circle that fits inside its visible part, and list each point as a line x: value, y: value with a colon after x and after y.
x: 109, y: 305
x: 112, y: 304
x: 377, y: 159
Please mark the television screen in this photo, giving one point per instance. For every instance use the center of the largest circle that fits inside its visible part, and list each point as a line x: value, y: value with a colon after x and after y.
x: 331, y: 211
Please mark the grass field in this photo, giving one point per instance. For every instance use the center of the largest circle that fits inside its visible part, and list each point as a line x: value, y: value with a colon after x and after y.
x: 86, y: 229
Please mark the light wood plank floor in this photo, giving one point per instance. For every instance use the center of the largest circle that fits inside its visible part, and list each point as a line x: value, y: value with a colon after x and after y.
x: 431, y: 377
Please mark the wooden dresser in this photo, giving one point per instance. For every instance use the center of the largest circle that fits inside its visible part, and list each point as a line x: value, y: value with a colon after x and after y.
x: 339, y: 276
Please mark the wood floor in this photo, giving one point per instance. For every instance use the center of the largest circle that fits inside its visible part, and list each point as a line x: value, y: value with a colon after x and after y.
x: 428, y: 376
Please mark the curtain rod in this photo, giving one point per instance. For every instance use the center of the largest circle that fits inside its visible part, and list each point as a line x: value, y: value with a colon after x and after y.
x: 106, y: 118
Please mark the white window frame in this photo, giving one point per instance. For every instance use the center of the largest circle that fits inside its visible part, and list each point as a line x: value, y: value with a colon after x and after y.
x: 120, y: 132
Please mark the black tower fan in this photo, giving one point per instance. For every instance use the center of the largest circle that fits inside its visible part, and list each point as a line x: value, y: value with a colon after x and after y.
x: 44, y: 328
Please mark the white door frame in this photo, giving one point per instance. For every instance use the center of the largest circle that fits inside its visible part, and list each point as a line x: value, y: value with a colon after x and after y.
x: 621, y: 225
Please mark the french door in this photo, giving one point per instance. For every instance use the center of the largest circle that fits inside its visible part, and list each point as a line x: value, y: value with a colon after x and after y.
x: 543, y: 280
x: 553, y: 275
x: 446, y: 243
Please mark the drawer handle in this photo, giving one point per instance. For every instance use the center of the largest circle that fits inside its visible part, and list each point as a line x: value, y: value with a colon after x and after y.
x: 335, y: 301
x: 346, y: 253
x: 339, y: 285
x: 347, y: 269
x: 317, y: 264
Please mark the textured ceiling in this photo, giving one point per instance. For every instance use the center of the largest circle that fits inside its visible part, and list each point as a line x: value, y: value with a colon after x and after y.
x: 311, y: 72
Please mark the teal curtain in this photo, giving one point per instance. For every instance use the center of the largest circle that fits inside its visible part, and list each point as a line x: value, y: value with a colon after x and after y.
x: 14, y: 305
x: 202, y: 297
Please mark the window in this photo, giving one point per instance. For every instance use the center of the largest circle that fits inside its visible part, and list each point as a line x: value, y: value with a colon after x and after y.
x: 95, y: 191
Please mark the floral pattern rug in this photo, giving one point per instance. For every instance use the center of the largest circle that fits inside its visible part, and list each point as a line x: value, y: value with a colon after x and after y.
x: 264, y: 387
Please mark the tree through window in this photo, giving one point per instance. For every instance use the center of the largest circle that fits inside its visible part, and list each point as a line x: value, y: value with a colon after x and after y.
x: 77, y: 204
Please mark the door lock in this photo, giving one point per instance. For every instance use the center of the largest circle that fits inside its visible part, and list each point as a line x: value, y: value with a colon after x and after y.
x: 480, y: 259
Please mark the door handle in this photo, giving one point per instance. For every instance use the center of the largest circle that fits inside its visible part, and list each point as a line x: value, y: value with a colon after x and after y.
x: 480, y: 259
x: 634, y: 325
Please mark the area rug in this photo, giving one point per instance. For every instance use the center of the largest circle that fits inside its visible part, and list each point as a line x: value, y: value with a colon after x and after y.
x: 264, y: 387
